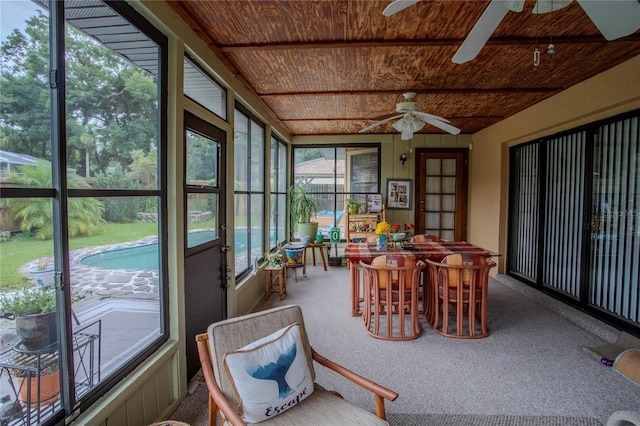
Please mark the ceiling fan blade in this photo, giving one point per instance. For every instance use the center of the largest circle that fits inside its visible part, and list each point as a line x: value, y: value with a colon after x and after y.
x: 397, y: 5
x: 424, y: 116
x: 377, y: 123
x: 614, y: 19
x: 481, y: 32
x: 515, y: 5
x: 545, y: 6
x: 442, y: 125
x: 382, y: 117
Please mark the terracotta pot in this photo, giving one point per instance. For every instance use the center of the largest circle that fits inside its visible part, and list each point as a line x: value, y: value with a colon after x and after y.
x: 49, y: 390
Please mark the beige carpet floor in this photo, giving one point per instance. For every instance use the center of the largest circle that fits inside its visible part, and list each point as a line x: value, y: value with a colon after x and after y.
x: 531, y: 368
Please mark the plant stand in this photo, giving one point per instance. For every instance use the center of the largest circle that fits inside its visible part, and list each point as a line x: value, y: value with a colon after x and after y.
x: 268, y: 281
x: 37, y: 404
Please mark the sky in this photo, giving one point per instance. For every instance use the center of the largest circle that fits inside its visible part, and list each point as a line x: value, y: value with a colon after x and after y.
x: 13, y: 13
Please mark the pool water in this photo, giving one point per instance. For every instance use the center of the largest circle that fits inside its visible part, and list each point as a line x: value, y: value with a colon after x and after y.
x: 139, y: 257
x: 146, y: 256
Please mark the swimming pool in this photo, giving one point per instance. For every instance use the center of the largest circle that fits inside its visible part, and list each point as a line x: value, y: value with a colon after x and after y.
x: 138, y: 257
x: 146, y: 256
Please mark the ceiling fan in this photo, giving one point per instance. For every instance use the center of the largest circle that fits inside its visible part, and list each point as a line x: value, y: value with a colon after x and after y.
x: 614, y: 19
x: 412, y: 119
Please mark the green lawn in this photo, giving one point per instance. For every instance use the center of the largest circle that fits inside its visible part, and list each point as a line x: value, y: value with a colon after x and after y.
x: 18, y: 251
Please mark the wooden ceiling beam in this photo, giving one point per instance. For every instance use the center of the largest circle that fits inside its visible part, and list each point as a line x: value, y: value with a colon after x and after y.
x: 496, y: 41
x: 419, y: 92
x: 313, y: 120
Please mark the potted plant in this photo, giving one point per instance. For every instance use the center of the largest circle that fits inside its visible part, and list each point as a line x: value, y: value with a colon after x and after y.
x: 42, y: 274
x: 302, y: 207
x: 42, y: 390
x: 34, y: 311
x: 353, y: 206
x: 273, y: 259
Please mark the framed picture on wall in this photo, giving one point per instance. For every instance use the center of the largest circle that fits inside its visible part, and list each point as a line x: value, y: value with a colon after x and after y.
x: 374, y: 203
x: 399, y: 194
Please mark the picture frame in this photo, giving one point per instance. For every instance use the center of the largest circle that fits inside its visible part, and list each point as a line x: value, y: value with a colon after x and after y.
x: 374, y: 203
x: 399, y: 194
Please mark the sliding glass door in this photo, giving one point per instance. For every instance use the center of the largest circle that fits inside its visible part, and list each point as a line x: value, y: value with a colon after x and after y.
x: 574, y: 217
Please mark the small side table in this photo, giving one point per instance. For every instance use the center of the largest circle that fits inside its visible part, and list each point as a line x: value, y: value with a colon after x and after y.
x: 268, y: 281
x: 312, y: 246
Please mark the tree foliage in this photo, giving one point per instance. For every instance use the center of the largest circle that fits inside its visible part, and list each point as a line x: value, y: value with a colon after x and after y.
x: 111, y: 104
x: 35, y: 215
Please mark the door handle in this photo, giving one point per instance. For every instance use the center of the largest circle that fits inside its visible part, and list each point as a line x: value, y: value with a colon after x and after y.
x: 225, y: 249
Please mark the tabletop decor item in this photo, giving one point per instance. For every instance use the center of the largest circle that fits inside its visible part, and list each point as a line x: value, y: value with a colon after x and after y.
x: 382, y: 232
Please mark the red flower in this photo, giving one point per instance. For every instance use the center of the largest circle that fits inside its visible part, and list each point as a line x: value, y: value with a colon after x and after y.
x: 395, y: 227
x: 409, y: 225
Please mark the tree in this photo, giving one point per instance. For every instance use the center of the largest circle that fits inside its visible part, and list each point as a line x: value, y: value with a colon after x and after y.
x: 111, y: 104
x: 35, y: 215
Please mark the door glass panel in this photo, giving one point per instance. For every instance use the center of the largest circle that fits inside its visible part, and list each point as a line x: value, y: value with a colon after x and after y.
x: 202, y: 160
x: 202, y: 214
x: 433, y: 185
x: 448, y: 203
x: 448, y: 167
x: 433, y: 220
x: 433, y: 167
x: 449, y: 185
x: 448, y: 235
x: 448, y: 220
x: 433, y: 202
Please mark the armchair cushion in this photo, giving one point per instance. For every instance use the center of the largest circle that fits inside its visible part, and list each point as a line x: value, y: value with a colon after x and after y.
x: 270, y: 375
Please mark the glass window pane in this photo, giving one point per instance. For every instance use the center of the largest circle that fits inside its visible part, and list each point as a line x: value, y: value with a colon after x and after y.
x: 119, y: 269
x: 241, y: 151
x: 273, y: 221
x: 282, y: 167
x: 114, y: 142
x: 24, y: 82
x: 241, y: 202
x: 200, y: 87
x: 282, y: 217
x: 257, y: 157
x: 202, y: 214
x: 257, y: 227
x: 202, y: 160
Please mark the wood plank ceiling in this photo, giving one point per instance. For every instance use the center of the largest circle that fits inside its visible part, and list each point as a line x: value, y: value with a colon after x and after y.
x: 326, y: 67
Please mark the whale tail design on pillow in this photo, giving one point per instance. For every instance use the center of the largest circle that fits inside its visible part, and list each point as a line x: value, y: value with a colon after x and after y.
x: 276, y: 371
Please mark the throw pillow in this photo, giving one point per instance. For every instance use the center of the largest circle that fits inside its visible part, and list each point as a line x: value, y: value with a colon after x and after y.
x: 270, y: 375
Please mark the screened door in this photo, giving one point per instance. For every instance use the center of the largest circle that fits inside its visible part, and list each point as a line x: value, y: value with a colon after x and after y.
x: 441, y: 193
x: 205, y: 252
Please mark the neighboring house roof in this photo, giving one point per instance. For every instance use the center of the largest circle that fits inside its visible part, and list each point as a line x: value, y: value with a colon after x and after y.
x: 320, y: 167
x: 15, y: 159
